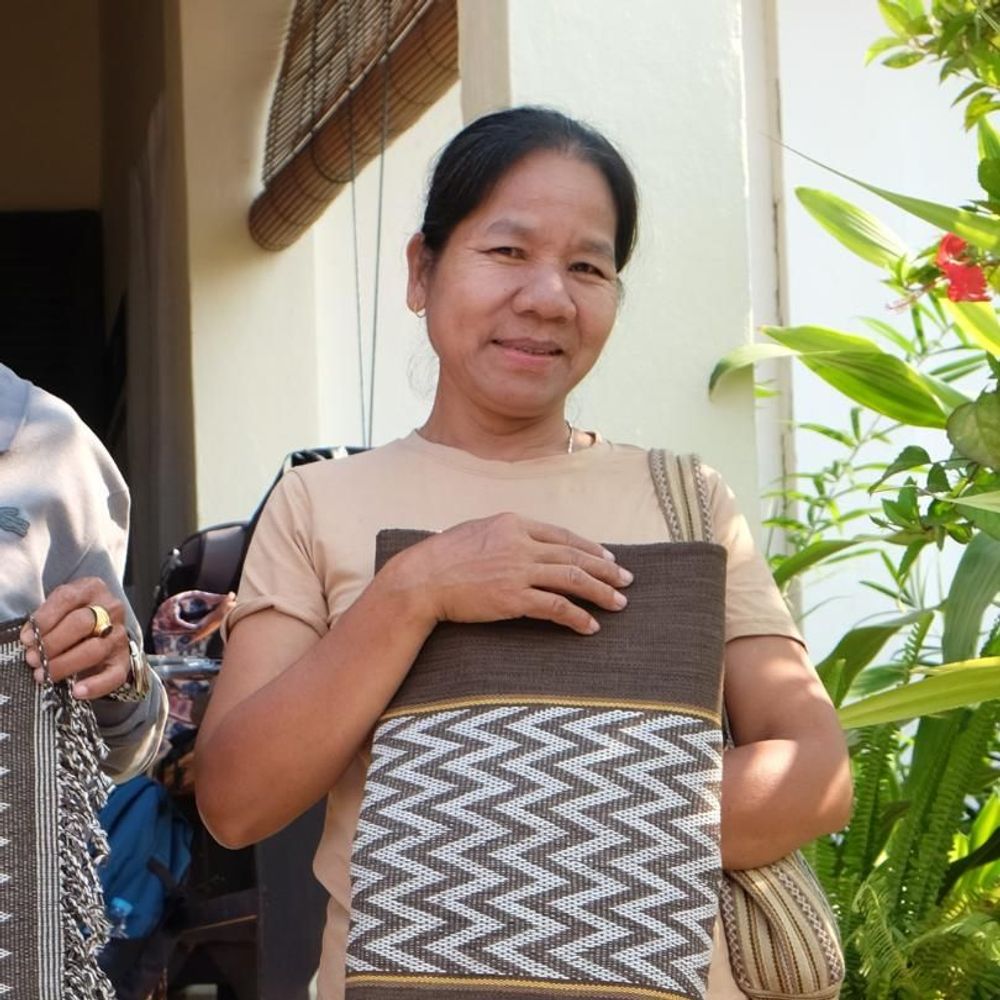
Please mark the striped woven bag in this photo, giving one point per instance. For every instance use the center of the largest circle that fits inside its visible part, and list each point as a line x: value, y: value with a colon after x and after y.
x: 541, y: 814
x: 782, y: 934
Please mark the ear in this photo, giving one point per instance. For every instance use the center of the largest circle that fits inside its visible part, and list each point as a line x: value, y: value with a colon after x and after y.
x: 418, y: 262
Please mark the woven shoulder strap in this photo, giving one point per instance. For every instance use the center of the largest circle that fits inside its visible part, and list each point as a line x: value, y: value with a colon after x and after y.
x: 682, y: 495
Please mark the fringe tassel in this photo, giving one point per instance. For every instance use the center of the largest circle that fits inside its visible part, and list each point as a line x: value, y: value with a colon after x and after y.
x: 83, y: 844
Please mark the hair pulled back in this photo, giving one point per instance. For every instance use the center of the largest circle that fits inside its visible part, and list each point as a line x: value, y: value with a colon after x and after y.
x: 472, y: 164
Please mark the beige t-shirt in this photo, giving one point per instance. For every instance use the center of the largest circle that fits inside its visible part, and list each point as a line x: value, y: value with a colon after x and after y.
x: 313, y: 553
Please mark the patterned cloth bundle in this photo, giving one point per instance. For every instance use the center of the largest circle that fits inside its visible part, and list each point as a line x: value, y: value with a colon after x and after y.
x: 52, y: 921
x: 541, y: 815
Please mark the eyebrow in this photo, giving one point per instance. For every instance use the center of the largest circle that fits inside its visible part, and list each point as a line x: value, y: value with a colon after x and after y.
x: 509, y: 227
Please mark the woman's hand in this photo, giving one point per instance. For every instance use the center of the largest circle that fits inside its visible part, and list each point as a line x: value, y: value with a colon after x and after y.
x: 98, y: 664
x: 508, y: 566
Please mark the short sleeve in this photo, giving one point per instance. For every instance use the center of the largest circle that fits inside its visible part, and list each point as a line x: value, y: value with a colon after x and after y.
x: 279, y: 571
x: 754, y: 605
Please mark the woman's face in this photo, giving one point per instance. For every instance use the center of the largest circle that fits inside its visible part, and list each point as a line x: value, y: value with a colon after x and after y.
x: 523, y: 296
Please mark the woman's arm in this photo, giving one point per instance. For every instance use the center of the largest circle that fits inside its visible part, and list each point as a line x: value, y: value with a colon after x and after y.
x: 788, y: 780
x: 289, y: 712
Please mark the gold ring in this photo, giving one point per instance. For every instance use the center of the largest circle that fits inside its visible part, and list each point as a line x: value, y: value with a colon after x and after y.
x: 102, y: 622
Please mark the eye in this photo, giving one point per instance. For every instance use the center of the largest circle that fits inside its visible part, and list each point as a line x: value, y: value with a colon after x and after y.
x: 514, y: 252
x: 585, y: 267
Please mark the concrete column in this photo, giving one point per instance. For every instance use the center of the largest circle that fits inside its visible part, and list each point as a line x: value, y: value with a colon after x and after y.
x: 253, y: 313
x: 665, y: 82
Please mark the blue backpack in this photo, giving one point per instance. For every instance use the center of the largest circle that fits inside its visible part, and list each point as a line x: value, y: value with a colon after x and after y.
x: 150, y: 855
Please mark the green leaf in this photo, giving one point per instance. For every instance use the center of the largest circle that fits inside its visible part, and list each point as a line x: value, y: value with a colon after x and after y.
x: 810, y: 556
x: 829, y: 432
x: 989, y: 139
x: 855, y: 228
x: 974, y: 585
x: 744, y: 357
x: 977, y: 682
x: 980, y: 230
x: 978, y: 321
x: 895, y: 16
x: 882, y: 383
x: 900, y: 60
x: 979, y: 501
x: 881, y: 45
x: 911, y: 457
x: 855, y: 650
x: 948, y: 396
x: 890, y: 333
x: 974, y: 430
x: 989, y: 177
x: 819, y: 339
x: 914, y: 8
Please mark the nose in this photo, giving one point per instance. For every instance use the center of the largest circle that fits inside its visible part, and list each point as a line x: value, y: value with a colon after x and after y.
x: 545, y: 293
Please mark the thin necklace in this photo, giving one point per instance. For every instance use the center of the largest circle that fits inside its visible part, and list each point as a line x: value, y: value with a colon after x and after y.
x: 572, y: 434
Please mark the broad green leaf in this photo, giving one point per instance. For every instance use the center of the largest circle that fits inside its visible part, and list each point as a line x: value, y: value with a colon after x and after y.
x: 982, y: 231
x: 978, y: 501
x: 989, y: 177
x: 881, y: 45
x: 901, y: 60
x: 911, y: 457
x: 914, y: 9
x: 819, y: 339
x: 948, y: 396
x: 930, y: 696
x: 895, y: 16
x: 975, y: 583
x: 882, y: 383
x: 978, y: 321
x: 890, y: 333
x: 974, y: 430
x: 855, y: 228
x: 744, y: 357
x: 855, y: 650
x: 989, y: 139
x: 854, y: 365
x: 810, y: 556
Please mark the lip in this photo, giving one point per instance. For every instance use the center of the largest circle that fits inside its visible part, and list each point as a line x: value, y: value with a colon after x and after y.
x: 529, y: 347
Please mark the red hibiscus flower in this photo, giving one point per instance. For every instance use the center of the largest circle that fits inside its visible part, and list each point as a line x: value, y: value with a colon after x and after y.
x: 966, y: 282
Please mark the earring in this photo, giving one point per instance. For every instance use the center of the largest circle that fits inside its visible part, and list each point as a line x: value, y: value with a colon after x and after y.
x: 420, y: 313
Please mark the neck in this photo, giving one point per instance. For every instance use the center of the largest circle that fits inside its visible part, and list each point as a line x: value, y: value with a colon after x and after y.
x: 504, y: 439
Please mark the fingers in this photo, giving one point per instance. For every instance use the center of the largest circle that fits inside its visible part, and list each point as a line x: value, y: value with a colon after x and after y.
x: 552, y: 534
x: 560, y: 610
x: 75, y: 596
x: 572, y: 581
x: 66, y: 625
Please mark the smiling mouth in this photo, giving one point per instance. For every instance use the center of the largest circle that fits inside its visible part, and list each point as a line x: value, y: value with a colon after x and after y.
x: 535, y: 348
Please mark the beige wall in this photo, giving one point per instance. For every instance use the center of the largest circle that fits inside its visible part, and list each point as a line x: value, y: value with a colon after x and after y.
x: 50, y: 106
x: 252, y: 312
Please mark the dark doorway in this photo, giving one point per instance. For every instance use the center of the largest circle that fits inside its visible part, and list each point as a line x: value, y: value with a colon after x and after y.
x: 51, y: 312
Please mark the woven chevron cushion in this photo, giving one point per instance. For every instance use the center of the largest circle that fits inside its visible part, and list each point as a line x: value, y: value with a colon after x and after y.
x: 542, y: 809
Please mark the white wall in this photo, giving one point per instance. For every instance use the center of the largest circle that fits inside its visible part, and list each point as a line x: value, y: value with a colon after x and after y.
x: 893, y: 128
x: 404, y: 363
x: 665, y: 82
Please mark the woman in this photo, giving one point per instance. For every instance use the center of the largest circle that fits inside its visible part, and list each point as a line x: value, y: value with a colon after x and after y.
x: 63, y: 529
x: 530, y: 219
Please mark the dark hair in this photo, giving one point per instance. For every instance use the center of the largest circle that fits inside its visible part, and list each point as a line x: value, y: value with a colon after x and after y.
x: 472, y: 164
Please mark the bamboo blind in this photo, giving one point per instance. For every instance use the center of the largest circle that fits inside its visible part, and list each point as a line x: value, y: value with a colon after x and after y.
x: 355, y: 73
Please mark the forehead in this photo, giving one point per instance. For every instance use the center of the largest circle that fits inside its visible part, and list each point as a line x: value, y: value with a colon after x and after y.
x: 547, y: 186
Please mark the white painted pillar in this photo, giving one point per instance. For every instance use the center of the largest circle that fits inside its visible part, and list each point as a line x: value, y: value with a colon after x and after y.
x: 664, y: 81
x: 255, y: 382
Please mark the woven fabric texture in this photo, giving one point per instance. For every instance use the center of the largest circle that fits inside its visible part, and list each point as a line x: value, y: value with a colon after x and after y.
x: 541, y: 812
x: 52, y: 920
